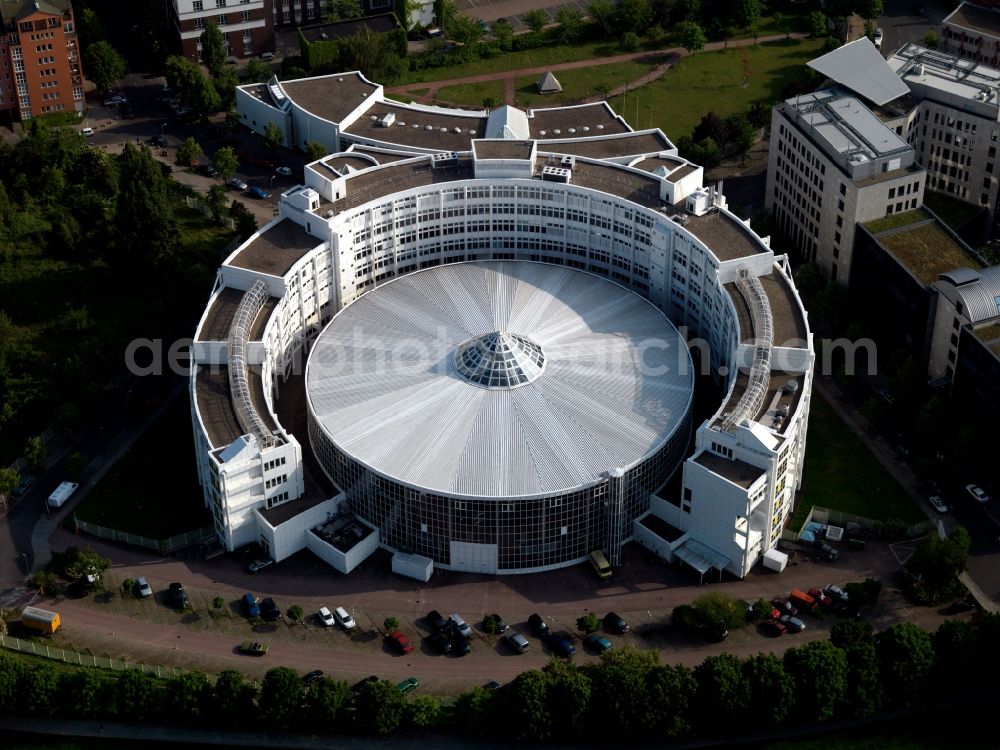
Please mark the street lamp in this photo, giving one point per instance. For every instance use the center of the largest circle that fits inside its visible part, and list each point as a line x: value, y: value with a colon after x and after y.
x: 162, y: 126
x: 24, y: 556
x: 272, y: 182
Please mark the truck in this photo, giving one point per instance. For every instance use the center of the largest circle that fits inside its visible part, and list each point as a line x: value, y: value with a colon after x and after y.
x: 600, y: 563
x: 41, y: 620
x: 62, y: 493
x: 802, y: 600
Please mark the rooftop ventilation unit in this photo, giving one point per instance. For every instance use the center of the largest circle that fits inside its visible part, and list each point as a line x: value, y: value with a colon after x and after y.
x: 568, y: 162
x: 556, y: 174
x: 387, y: 120
x: 445, y: 159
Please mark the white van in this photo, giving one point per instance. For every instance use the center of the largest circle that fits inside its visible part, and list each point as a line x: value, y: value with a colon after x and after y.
x: 62, y: 493
x: 87, y: 132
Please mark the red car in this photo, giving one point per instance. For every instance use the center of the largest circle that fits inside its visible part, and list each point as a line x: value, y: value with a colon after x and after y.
x: 786, y: 607
x: 819, y: 596
x: 401, y: 642
x: 772, y: 628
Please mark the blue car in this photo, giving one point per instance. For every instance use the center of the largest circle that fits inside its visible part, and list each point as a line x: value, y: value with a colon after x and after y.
x: 258, y: 192
x: 250, y: 605
x: 561, y: 645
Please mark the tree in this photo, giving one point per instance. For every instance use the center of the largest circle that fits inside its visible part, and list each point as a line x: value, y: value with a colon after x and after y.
x: 225, y: 84
x: 490, y: 625
x: 444, y: 12
x: 535, y: 19
x: 295, y: 613
x: 716, y: 609
x: 762, y: 610
x: 234, y: 699
x: 618, y: 690
x: 375, y: 55
x: 567, y: 696
x: 848, y: 632
x: 84, y: 693
x: 144, y: 221
x: 817, y: 24
x: 137, y: 696
x: 104, y: 65
x: 379, y: 707
x: 326, y: 704
x: 527, y: 707
x: 930, y: 40
x: 423, y: 713
x: 89, y: 28
x: 213, y: 48
x: 870, y: 8
x: 216, y: 199
x: 956, y: 655
x: 588, y: 623
x: 741, y: 135
x: 905, y: 660
x: 629, y: 41
x: 218, y: 602
x: 45, y: 581
x: 38, y: 690
x: 36, y: 452
x: 187, y: 698
x: 747, y: 13
x: 9, y: 479
x: 670, y: 693
x: 257, y: 71
x: 273, y: 136
x: 503, y: 34
x: 475, y: 711
x: 690, y: 36
x: 193, y: 89
x: 76, y: 562
x: 225, y: 162
x: 570, y: 22
x: 315, y: 150
x: 390, y: 623
x: 341, y: 10
x: 633, y: 15
x: 188, y: 152
x: 864, y: 688
x: 819, y: 671
x: 280, y: 696
x: 685, y: 10
x: 603, y: 13
x: 936, y: 565
x: 771, y: 690
x: 76, y: 462
x: 465, y: 30
x: 723, y: 695
x: 246, y: 222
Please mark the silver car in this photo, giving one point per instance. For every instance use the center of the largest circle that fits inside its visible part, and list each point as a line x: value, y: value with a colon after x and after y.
x: 460, y: 625
x: 517, y: 641
x: 143, y: 587
x: 237, y: 183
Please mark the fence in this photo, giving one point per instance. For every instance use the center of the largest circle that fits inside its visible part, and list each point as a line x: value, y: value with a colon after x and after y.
x: 162, y: 546
x: 199, y: 205
x: 868, y: 526
x: 83, y: 660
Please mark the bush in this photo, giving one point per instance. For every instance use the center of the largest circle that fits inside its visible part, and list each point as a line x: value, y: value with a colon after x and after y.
x: 873, y: 587
x: 218, y: 602
x: 295, y: 613
x: 131, y: 587
x: 761, y: 611
x: 588, y: 623
x: 390, y: 623
x: 630, y: 41
x: 490, y: 625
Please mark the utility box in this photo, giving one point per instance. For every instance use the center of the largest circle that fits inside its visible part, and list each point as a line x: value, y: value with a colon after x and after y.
x: 40, y: 619
x: 413, y: 566
x: 775, y: 560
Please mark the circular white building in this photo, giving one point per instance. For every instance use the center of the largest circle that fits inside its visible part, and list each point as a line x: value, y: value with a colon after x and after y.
x: 501, y: 416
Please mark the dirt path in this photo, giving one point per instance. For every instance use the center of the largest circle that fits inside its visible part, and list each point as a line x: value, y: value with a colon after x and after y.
x: 662, y: 59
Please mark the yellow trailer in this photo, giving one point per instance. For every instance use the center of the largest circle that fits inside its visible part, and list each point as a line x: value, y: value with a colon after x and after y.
x: 40, y: 619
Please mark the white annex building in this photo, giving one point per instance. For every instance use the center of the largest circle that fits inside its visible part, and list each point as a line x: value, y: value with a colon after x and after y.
x: 472, y: 339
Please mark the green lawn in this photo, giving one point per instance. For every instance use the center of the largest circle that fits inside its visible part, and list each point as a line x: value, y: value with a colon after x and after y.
x: 711, y: 81
x: 470, y: 94
x: 154, y: 502
x: 579, y: 84
x: 842, y: 475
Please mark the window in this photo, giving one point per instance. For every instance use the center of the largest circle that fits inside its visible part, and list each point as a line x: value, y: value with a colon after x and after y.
x: 220, y: 3
x: 198, y: 5
x: 892, y: 192
x: 245, y: 16
x: 223, y: 20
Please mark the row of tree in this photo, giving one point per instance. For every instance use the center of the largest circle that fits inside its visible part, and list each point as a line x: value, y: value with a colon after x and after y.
x: 629, y: 695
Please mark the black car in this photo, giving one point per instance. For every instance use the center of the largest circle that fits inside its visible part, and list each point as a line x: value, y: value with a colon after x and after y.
x: 615, y: 624
x: 208, y: 170
x: 440, y: 643
x: 269, y: 610
x: 26, y: 481
x: 459, y: 645
x: 361, y: 683
x: 538, y: 625
x: 492, y: 685
x: 438, y: 622
x: 178, y: 596
x: 501, y: 625
x: 310, y: 678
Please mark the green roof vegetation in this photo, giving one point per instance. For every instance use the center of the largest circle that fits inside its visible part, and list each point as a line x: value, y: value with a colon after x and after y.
x: 895, y: 221
x: 988, y: 334
x: 927, y: 251
x: 951, y: 210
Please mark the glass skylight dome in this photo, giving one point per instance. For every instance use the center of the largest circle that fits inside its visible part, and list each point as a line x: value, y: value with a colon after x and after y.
x: 499, y: 360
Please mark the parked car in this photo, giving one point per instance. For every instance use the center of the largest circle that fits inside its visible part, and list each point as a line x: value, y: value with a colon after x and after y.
x: 501, y: 624
x: 269, y: 609
x: 560, y: 644
x: 615, y: 623
x: 208, y: 170
x: 978, y: 493
x: 400, y: 642
x: 792, y: 624
x: 772, y: 628
x: 26, y: 481
x: 437, y: 621
x: 938, y: 503
x: 361, y: 683
x: 178, y: 596
x: 253, y: 648
x: 517, y: 641
x: 879, y: 36
x: 238, y: 184
x: 250, y: 606
x: 597, y: 643
x: 460, y: 625
x: 284, y: 171
x: 410, y: 683
x: 344, y: 618
x: 836, y: 593
x: 538, y: 625
x: 258, y: 192
x: 440, y: 643
x: 159, y: 140
x: 258, y: 565
x: 310, y: 678
x: 492, y: 685
x: 143, y: 587
x: 184, y: 111
x: 459, y: 645
x: 114, y: 101
x: 819, y: 596
x: 785, y: 606
x: 326, y: 617
x: 87, y: 132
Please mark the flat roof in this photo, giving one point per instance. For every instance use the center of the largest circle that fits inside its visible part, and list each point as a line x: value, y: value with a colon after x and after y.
x: 661, y: 528
x: 424, y: 129
x: 733, y: 469
x: 787, y: 315
x: 382, y: 157
x: 215, y: 406
x: 395, y: 178
x: 219, y: 318
x: 980, y: 20
x: 777, y: 380
x: 586, y: 119
x: 278, y: 514
x: 925, y: 249
x: 334, y: 164
x: 496, y: 149
x: 637, y: 187
x: 725, y: 237
x: 936, y: 71
x: 845, y: 126
x: 743, y: 314
x: 909, y: 170
x: 322, y: 32
x: 860, y: 67
x: 990, y: 337
x: 275, y: 250
x: 331, y: 97
x: 643, y: 142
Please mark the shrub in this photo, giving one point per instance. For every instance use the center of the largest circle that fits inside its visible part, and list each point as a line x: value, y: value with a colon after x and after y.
x: 873, y: 587
x: 218, y: 602
x: 130, y: 587
x: 588, y: 623
x: 490, y: 625
x: 762, y: 610
x: 295, y: 613
x: 390, y: 623
x: 630, y: 41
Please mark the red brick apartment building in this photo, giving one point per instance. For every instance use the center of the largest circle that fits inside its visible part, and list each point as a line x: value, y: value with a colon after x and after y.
x: 40, y: 69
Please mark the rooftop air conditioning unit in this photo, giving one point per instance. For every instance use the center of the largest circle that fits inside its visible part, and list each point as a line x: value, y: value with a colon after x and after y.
x: 568, y: 162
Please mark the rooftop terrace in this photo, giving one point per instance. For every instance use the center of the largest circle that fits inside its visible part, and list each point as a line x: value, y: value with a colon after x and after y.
x: 275, y: 250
